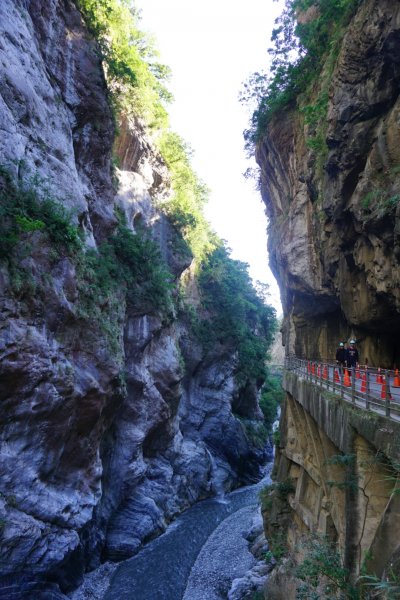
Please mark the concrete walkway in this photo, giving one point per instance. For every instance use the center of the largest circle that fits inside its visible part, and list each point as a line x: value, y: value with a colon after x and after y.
x: 323, y: 375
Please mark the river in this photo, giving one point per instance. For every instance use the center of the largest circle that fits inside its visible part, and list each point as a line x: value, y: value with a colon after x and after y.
x: 198, y: 556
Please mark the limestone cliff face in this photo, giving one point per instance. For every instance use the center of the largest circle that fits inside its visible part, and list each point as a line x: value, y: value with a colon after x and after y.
x: 336, y: 211
x: 104, y: 438
x: 55, y: 120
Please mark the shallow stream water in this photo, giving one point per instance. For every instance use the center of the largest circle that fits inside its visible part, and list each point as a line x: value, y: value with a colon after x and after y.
x: 198, y: 556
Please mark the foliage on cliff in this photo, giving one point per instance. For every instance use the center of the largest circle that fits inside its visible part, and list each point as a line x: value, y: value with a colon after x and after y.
x: 305, y: 34
x: 236, y: 314
x: 323, y: 573
x: 135, y: 77
x: 126, y: 265
x: 271, y: 397
x: 137, y: 82
x: 185, y: 208
x: 22, y: 213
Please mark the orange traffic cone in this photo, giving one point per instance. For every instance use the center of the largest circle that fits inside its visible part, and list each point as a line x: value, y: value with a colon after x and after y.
x: 325, y: 373
x: 313, y: 368
x: 346, y: 378
x: 319, y: 371
x: 337, y: 378
x: 379, y: 378
x: 383, y: 391
x: 358, y: 376
x: 364, y: 383
x: 396, y: 380
x: 308, y: 367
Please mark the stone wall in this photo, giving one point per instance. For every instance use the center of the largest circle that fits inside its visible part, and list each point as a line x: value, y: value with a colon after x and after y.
x: 342, y: 463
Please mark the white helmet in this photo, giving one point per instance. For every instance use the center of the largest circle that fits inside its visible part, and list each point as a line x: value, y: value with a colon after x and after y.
x: 352, y: 342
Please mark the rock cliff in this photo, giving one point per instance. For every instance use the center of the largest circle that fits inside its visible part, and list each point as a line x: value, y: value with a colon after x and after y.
x: 336, y: 471
x: 114, y: 417
x: 332, y: 195
x: 331, y: 187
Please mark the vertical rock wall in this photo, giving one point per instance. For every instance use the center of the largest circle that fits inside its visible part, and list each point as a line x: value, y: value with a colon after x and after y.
x: 104, y: 435
x: 334, y: 212
x: 332, y: 192
x: 341, y: 463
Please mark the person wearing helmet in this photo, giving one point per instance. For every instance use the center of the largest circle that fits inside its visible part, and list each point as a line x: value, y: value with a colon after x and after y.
x: 341, y: 354
x: 352, y: 354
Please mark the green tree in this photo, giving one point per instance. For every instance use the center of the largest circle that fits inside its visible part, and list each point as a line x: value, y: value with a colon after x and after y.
x: 299, y: 49
x: 323, y: 573
x: 136, y: 79
x: 190, y: 194
x: 235, y: 314
x: 271, y: 397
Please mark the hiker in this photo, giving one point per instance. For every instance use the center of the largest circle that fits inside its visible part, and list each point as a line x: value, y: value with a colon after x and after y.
x: 340, y: 354
x: 352, y: 355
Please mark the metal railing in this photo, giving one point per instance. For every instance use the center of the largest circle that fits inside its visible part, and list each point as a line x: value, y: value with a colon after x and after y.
x: 369, y: 388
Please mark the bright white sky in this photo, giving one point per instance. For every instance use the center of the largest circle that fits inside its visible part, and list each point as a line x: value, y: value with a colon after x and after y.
x: 212, y: 46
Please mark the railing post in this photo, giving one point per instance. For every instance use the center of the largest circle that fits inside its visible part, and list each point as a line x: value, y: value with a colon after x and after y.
x: 387, y: 394
x: 341, y: 382
x: 314, y: 372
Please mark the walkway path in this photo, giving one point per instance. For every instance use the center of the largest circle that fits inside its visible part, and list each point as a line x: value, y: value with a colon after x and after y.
x: 378, y: 392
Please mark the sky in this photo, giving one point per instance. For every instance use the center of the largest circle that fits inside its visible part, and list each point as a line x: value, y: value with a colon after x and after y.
x: 212, y: 46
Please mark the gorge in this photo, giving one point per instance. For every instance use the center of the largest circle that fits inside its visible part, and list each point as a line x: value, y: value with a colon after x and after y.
x: 132, y: 370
